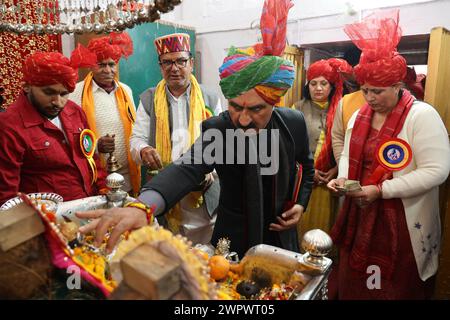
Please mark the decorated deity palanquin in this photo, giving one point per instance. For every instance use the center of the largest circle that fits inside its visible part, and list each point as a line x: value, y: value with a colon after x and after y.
x: 41, y: 235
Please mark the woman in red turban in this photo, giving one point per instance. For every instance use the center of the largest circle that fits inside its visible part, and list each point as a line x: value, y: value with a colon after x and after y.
x: 388, y: 234
x: 322, y: 93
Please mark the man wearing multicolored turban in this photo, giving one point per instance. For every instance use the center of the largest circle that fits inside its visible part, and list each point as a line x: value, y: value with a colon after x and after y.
x: 397, y: 148
x: 168, y: 122
x: 40, y: 132
x: 109, y: 106
x: 263, y: 194
x: 322, y: 92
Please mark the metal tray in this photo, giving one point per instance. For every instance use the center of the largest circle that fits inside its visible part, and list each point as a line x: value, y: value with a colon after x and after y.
x: 52, y: 200
x: 269, y: 264
x: 69, y: 208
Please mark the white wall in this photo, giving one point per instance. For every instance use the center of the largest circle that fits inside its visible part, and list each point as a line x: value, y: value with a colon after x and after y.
x: 221, y: 23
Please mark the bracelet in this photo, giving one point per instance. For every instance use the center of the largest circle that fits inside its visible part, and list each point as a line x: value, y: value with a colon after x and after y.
x: 148, y: 210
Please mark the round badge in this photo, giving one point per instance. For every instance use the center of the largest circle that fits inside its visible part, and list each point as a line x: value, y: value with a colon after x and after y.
x: 87, y: 142
x: 394, y: 154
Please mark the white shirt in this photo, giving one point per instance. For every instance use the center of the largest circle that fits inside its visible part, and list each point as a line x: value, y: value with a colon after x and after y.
x: 57, y: 122
x: 178, y: 107
x: 108, y: 121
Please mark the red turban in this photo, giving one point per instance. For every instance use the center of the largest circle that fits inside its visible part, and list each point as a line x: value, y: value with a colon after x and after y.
x: 47, y: 68
x: 415, y: 83
x: 114, y: 46
x: 330, y: 69
x: 378, y: 36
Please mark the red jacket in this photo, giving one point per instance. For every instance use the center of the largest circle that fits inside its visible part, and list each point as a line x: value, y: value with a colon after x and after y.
x: 35, y: 157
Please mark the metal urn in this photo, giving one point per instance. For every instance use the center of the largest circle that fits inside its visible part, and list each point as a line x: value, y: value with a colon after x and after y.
x: 317, y: 244
x: 116, y: 196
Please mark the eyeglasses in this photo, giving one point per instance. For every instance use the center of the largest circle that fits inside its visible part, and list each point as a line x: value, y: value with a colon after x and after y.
x: 112, y: 65
x: 180, y: 63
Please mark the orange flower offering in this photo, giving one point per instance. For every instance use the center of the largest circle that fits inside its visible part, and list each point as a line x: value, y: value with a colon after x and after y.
x: 219, y: 267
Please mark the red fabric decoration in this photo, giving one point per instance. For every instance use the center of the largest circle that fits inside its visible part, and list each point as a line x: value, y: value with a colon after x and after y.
x: 273, y: 27
x: 46, y: 68
x: 415, y: 83
x: 378, y: 36
x: 332, y: 70
x: 114, y: 46
x: 15, y: 48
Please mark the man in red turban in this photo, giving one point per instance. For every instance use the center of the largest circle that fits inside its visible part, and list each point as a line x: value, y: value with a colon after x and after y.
x: 41, y: 131
x: 109, y: 104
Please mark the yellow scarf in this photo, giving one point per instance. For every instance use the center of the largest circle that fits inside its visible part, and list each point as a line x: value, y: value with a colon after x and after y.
x: 322, y: 105
x: 128, y: 116
x: 198, y: 113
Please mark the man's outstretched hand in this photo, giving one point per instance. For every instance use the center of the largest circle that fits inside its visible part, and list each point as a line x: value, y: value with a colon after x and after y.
x: 120, y: 220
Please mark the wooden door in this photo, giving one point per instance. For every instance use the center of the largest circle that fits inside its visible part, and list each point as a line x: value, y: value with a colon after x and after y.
x: 437, y: 94
x: 296, y: 56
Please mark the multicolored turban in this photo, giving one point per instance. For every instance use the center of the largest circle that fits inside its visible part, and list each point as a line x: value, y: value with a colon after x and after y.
x: 378, y: 36
x: 333, y: 70
x: 175, y: 42
x: 114, y: 46
x: 260, y: 67
x: 48, y: 68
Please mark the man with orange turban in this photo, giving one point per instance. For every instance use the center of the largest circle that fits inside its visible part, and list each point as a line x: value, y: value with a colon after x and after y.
x: 262, y: 198
x: 44, y: 145
x: 109, y: 104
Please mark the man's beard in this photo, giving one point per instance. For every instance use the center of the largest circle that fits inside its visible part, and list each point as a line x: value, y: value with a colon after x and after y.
x: 39, y: 107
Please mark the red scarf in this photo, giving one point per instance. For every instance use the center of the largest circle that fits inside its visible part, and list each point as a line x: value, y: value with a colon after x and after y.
x: 373, y: 239
x: 325, y: 159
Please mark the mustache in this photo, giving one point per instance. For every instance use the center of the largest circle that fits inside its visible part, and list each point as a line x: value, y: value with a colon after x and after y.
x: 251, y: 125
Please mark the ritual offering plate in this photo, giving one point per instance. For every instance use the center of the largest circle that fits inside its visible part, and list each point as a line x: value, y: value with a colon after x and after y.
x: 67, y: 246
x: 48, y: 199
x: 265, y: 273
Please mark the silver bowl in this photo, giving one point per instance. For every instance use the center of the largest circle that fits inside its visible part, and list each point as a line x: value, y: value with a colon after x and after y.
x: 50, y: 199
